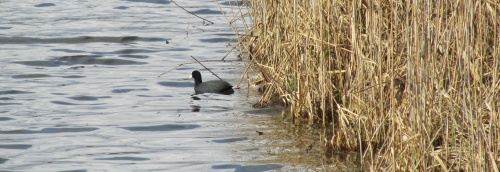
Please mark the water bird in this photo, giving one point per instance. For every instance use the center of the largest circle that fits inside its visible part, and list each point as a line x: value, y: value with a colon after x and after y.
x: 215, y: 86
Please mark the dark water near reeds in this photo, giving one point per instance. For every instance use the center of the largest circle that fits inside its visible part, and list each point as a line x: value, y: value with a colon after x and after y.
x: 79, y: 89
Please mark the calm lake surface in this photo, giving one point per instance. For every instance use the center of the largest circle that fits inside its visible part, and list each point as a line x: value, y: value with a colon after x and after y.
x: 79, y: 88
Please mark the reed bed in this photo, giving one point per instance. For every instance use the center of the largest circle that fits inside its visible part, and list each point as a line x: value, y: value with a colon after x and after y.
x: 409, y: 85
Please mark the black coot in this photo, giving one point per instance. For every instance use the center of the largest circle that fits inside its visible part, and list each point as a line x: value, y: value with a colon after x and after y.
x: 216, y: 86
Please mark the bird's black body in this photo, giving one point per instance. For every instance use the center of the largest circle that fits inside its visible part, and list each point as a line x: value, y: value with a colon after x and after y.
x: 216, y: 86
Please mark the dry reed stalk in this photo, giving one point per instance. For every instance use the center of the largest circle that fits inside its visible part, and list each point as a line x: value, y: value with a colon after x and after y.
x: 410, y: 85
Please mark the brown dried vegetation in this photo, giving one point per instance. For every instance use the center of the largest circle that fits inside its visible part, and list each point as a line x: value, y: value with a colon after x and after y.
x: 409, y: 85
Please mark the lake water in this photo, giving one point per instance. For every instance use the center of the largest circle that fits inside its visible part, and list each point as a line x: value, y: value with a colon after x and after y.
x: 79, y: 88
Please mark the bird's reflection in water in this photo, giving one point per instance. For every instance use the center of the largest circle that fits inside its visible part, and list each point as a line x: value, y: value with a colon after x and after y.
x: 195, y: 108
x: 195, y: 97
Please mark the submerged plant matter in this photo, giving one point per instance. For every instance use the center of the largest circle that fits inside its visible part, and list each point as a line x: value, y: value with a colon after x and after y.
x: 409, y: 85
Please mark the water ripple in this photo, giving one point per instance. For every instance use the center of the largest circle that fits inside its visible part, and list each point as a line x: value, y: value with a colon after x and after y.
x: 240, y: 168
x: 230, y: 140
x: 88, y: 98
x: 31, y: 76
x: 127, y: 90
x: 3, y: 160
x: 79, y: 59
x: 166, y: 127
x: 124, y: 159
x: 151, y: 1
x: 176, y: 84
x: 45, y: 5
x: 5, y: 118
x: 49, y: 130
x: 16, y: 146
x: 14, y: 92
x: 75, y: 40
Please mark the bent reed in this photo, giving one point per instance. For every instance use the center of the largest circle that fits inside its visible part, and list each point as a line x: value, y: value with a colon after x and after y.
x: 409, y: 85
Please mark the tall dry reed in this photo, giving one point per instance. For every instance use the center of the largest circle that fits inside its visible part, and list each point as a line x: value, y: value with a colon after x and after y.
x: 410, y: 85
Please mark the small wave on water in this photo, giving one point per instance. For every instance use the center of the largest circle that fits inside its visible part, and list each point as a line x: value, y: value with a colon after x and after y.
x: 75, y: 40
